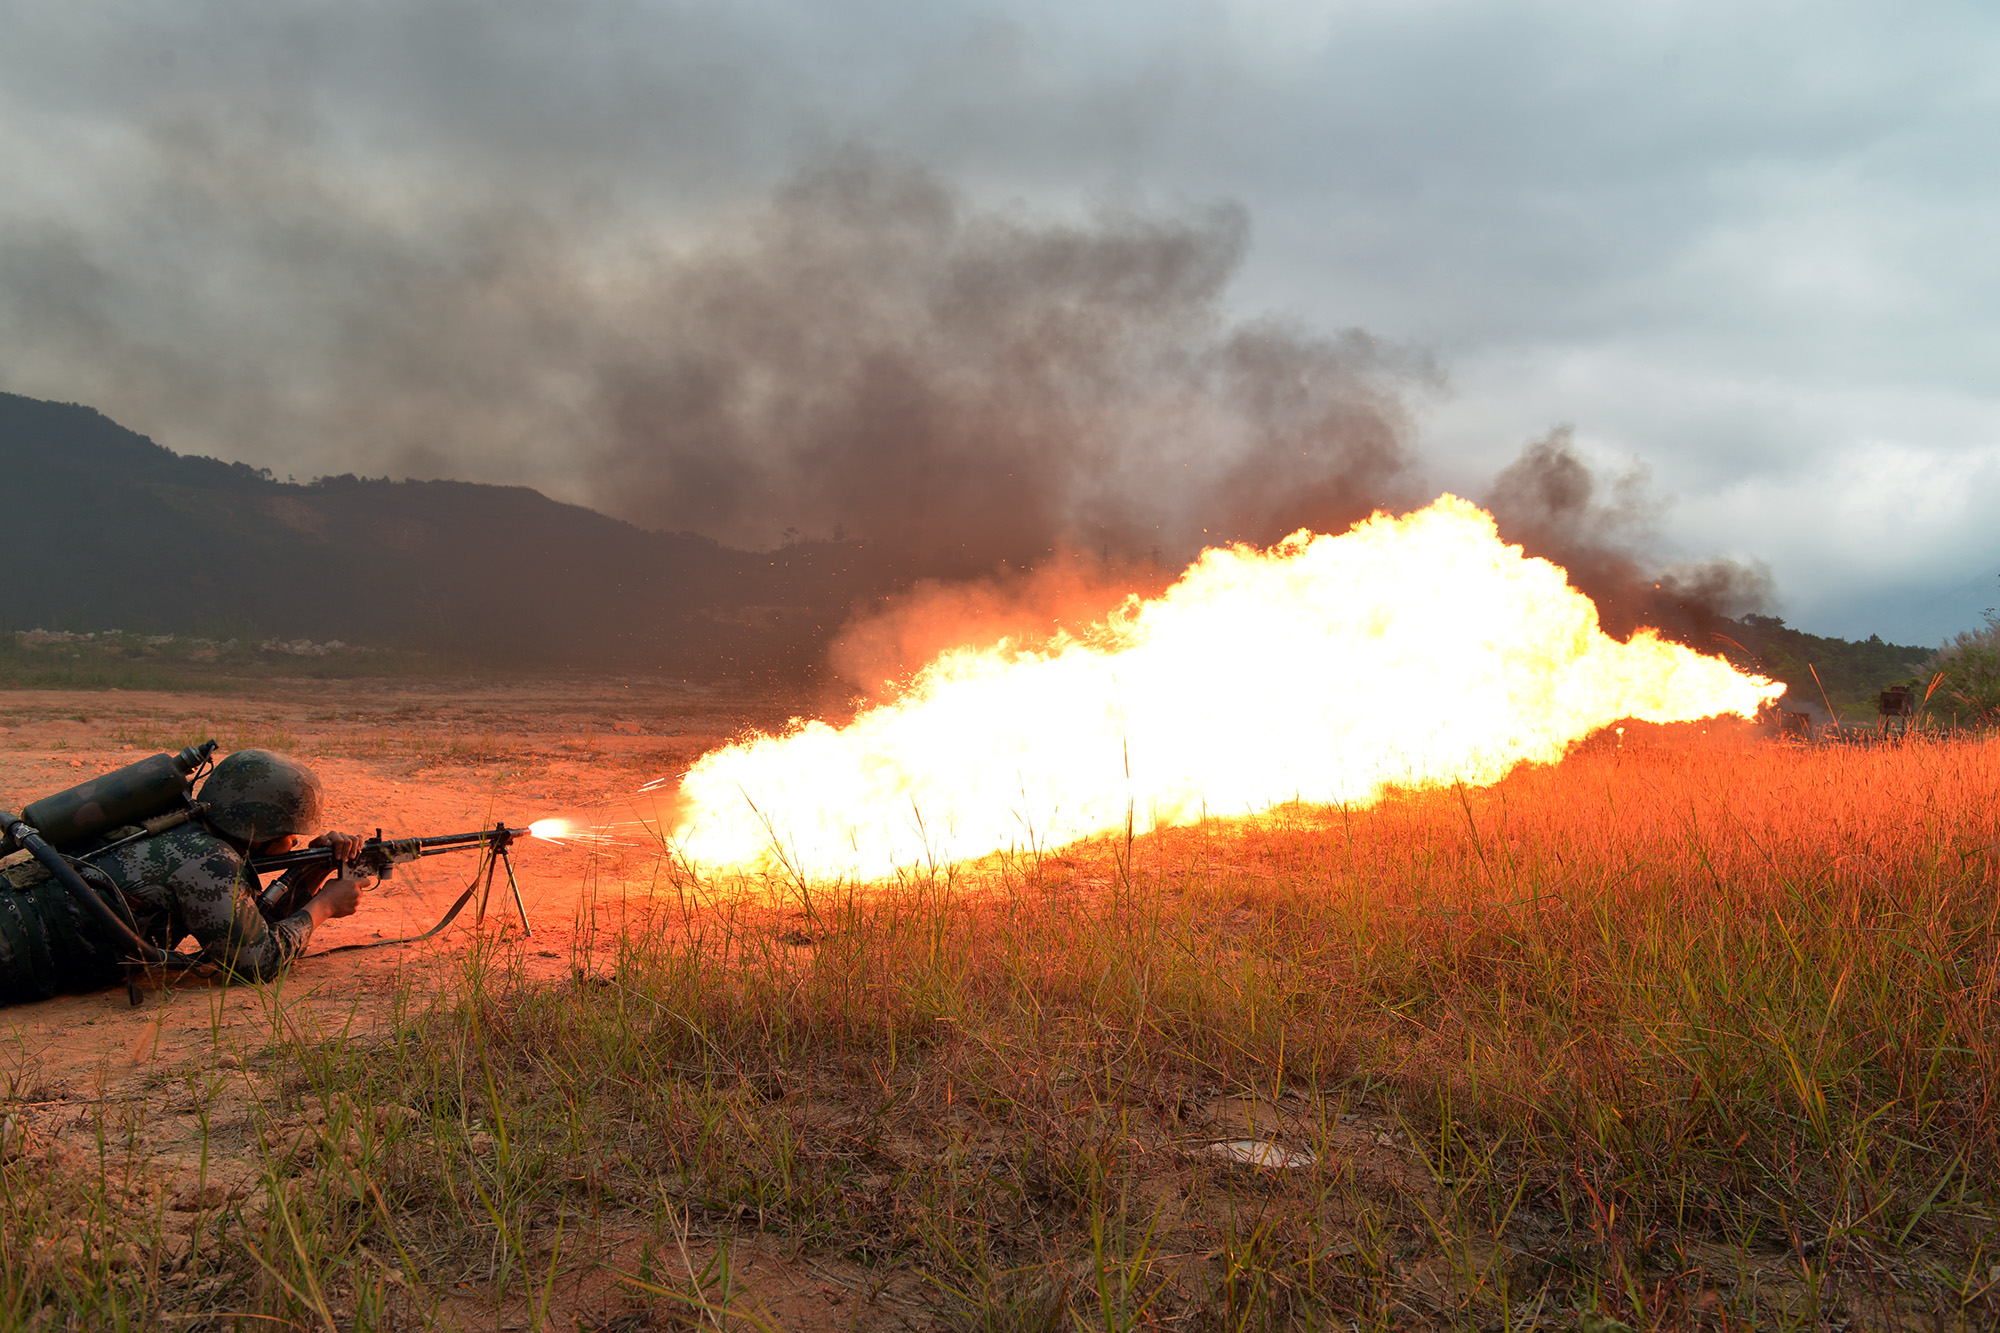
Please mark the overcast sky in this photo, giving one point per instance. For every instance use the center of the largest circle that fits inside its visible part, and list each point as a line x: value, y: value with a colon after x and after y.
x: 1747, y: 248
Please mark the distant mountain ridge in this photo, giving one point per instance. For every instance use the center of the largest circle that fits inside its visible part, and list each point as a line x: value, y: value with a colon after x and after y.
x: 104, y: 528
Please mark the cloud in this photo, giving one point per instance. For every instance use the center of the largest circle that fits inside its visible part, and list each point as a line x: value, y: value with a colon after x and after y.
x: 1743, y: 244
x: 862, y: 354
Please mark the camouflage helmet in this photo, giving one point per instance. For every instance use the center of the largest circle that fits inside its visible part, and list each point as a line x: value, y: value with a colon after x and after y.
x: 256, y: 795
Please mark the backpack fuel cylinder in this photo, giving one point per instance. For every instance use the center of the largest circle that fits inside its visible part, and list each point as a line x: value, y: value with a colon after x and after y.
x: 153, y: 786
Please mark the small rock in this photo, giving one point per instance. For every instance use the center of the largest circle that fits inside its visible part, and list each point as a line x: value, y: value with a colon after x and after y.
x: 174, y: 1250
x: 1599, y: 1323
x: 395, y: 1116
x: 118, y: 1258
x: 228, y: 1060
x: 1255, y: 1152
x: 15, y: 1139
x: 289, y: 1143
x: 51, y: 1251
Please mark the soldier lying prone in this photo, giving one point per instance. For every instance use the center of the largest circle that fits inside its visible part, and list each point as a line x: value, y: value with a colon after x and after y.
x: 122, y: 891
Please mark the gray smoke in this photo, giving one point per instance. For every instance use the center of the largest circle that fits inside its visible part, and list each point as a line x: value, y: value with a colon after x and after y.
x: 873, y: 359
x: 863, y: 354
x: 1548, y: 500
x: 1552, y: 503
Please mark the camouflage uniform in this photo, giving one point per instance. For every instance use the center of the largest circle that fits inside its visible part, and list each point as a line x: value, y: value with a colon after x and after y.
x: 49, y: 943
x: 185, y: 881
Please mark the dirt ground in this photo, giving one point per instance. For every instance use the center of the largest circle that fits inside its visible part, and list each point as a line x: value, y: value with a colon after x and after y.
x: 176, y: 1105
x: 184, y: 1078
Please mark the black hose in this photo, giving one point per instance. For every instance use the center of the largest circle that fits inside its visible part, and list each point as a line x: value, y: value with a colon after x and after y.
x: 25, y: 835
x: 102, y: 884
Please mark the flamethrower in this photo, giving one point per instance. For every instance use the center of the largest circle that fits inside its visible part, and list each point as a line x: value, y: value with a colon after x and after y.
x: 152, y: 794
x: 379, y: 856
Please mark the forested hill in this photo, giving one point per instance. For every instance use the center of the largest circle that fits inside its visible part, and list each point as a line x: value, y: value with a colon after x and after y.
x: 1850, y: 671
x: 105, y: 529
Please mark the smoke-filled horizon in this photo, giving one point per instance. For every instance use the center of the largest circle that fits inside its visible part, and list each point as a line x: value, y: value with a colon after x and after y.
x: 1044, y: 413
x: 865, y: 355
x: 862, y: 354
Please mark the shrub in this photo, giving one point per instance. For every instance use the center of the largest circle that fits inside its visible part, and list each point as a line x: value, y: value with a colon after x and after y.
x: 1971, y: 667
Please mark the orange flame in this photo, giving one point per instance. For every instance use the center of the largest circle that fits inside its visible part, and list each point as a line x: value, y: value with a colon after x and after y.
x: 551, y: 829
x: 1408, y: 652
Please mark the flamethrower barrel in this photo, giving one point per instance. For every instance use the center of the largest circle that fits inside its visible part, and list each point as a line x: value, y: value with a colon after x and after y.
x: 380, y: 850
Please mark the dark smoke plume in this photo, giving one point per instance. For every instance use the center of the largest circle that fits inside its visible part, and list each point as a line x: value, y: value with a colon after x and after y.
x: 1549, y: 501
x: 871, y: 359
x: 1032, y: 420
x: 965, y: 394
x: 862, y: 355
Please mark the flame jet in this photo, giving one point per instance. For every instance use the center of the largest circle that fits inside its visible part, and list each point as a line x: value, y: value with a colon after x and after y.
x: 1406, y: 652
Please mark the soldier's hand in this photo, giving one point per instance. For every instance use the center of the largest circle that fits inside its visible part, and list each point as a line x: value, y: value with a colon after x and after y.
x: 344, y: 845
x: 342, y: 895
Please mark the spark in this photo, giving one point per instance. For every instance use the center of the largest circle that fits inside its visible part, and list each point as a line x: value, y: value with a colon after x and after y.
x: 567, y: 832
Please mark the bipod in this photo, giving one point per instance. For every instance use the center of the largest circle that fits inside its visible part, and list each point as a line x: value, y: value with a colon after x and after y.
x: 496, y: 856
x: 480, y: 886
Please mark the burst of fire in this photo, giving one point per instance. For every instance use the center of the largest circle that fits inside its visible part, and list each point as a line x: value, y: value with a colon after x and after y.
x: 599, y: 834
x: 1406, y: 652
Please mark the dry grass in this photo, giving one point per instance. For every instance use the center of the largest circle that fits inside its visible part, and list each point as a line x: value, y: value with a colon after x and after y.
x: 1683, y: 1035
